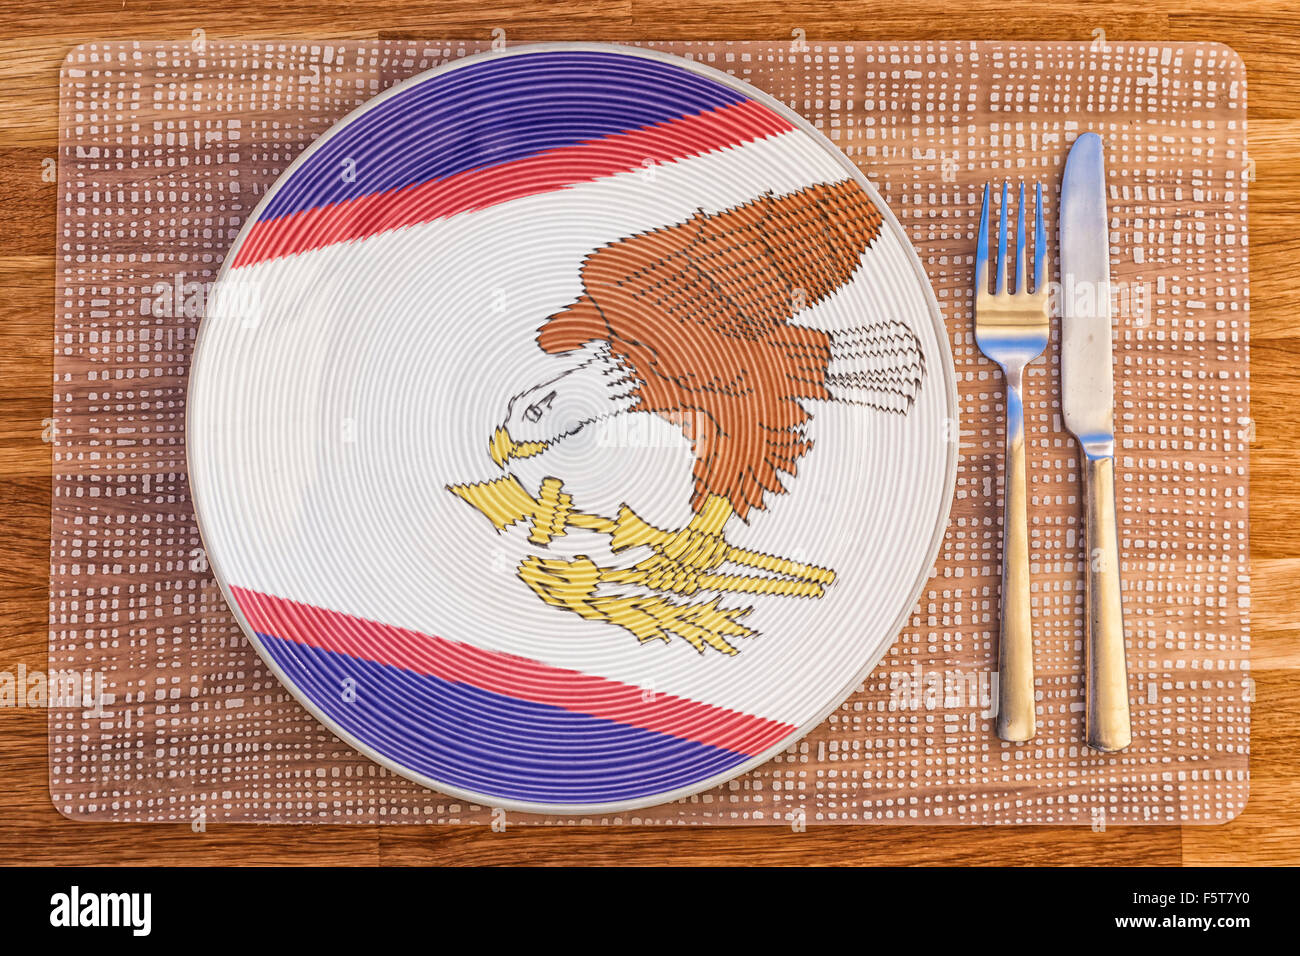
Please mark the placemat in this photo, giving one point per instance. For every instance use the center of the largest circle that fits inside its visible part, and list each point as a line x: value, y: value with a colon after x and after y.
x: 160, y: 710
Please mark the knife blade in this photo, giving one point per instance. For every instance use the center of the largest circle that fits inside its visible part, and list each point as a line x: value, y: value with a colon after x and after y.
x: 1088, y: 407
x: 1087, y: 382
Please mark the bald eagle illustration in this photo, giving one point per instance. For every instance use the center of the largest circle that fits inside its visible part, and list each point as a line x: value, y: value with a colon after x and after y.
x: 694, y: 322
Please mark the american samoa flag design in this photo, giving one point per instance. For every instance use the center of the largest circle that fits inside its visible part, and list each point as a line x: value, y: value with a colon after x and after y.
x: 484, y: 721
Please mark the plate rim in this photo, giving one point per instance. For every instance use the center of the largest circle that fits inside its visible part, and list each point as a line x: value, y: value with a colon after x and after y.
x: 937, y: 533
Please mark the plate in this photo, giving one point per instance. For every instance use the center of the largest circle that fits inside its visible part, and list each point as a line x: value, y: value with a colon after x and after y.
x: 571, y: 428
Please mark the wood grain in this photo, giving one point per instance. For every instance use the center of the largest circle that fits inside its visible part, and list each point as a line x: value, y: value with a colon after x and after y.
x: 33, y: 41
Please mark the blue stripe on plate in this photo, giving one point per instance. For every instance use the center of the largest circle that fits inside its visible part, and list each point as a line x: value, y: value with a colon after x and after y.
x: 487, y: 114
x: 491, y: 743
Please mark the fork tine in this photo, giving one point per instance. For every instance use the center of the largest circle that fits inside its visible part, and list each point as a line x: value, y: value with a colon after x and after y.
x: 1040, y: 243
x: 1021, y: 278
x: 982, y: 248
x: 1001, y: 274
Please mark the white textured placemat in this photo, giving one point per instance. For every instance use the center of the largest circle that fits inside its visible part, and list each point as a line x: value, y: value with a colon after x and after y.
x: 166, y: 149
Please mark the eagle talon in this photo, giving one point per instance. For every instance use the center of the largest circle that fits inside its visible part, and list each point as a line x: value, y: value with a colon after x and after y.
x: 573, y: 584
x: 684, y: 562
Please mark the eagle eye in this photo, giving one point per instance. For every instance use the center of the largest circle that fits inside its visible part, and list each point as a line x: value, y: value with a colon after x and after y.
x: 534, y: 411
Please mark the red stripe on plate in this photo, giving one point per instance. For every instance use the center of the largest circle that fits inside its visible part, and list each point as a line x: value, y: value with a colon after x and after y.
x: 479, y: 188
x: 509, y: 674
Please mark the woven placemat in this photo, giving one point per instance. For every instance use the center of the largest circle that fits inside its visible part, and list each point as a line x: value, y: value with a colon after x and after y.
x: 164, y: 151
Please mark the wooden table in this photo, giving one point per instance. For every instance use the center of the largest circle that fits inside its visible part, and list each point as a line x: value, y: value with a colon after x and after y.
x: 33, y: 42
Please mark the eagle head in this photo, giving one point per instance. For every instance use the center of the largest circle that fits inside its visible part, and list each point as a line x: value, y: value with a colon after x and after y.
x: 536, y: 419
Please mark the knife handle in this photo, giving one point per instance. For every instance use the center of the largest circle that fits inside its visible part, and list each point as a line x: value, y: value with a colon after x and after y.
x: 1108, y: 726
x: 1016, y: 718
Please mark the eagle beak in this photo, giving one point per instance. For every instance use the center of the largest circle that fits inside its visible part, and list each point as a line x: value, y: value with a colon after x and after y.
x: 503, y: 447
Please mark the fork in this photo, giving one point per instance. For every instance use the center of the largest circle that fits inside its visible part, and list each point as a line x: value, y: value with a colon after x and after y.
x: 1011, y: 329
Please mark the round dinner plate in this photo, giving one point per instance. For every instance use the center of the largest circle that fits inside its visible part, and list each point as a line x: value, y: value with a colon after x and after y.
x: 570, y: 428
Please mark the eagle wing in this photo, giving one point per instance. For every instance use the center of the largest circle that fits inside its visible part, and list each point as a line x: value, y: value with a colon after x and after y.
x: 699, y: 313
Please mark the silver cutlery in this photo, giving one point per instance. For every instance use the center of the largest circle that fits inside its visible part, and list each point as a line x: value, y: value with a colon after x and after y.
x: 1087, y: 401
x: 1011, y: 329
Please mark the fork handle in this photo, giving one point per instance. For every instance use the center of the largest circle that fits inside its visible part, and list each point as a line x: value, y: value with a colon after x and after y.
x: 1016, y: 718
x: 1108, y: 726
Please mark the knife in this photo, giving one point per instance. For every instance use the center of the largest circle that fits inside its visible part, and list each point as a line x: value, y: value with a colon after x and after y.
x: 1088, y: 403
